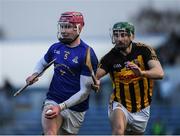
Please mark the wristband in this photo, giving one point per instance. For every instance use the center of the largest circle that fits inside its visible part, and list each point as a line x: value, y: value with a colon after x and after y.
x: 62, y: 106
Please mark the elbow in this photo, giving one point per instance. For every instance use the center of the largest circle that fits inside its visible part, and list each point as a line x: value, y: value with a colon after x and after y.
x: 84, y: 95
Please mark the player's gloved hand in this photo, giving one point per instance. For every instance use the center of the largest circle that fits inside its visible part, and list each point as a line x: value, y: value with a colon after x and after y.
x: 96, y: 86
x: 52, y: 112
x: 31, y: 79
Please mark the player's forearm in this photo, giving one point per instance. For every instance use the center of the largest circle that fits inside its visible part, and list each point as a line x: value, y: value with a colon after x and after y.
x: 100, y: 73
x: 75, y: 99
x: 153, y: 73
x: 85, y: 82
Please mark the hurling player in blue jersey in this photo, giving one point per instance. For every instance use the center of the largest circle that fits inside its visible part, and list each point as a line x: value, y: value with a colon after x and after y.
x: 67, y: 99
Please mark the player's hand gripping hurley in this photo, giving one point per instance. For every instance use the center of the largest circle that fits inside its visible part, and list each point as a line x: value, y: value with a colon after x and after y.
x: 38, y: 75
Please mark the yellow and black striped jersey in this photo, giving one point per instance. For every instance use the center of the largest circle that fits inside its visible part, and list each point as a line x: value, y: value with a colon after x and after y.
x: 133, y: 92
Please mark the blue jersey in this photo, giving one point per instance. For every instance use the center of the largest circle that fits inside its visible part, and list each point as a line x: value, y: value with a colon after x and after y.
x: 68, y: 66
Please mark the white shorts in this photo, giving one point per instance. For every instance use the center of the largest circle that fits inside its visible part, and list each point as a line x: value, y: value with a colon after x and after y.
x: 136, y: 122
x: 72, y: 120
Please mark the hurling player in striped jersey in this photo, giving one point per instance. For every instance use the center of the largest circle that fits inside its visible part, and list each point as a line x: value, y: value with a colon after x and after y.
x: 132, y: 67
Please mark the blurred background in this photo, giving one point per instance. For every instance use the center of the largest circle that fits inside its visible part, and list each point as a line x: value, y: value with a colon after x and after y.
x: 28, y: 28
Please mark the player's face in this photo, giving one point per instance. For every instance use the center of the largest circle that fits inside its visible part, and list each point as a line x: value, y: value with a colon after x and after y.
x: 122, y: 39
x: 67, y: 32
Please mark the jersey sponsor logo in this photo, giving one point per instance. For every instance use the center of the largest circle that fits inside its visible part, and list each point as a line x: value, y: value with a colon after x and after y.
x: 127, y: 76
x: 56, y: 51
x: 75, y: 60
x: 62, y: 68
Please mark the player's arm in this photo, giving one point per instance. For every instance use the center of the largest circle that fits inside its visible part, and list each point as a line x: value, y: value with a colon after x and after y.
x: 99, y: 74
x: 85, y: 81
x: 38, y: 68
x: 102, y: 70
x: 155, y: 70
x: 80, y: 96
